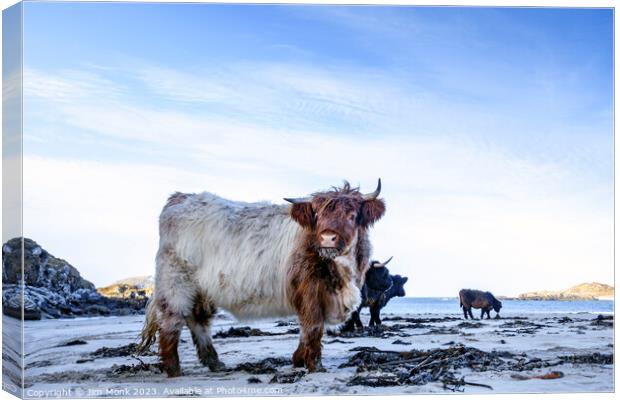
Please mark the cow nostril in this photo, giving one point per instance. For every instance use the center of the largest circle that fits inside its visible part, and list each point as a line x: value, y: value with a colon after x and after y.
x: 329, y: 239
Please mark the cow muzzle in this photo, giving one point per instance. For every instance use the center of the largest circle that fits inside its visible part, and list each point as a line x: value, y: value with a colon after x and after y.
x: 329, y: 244
x: 329, y: 239
x: 328, y: 253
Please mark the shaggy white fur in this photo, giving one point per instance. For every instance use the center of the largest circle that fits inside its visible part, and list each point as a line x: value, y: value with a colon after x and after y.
x: 235, y: 254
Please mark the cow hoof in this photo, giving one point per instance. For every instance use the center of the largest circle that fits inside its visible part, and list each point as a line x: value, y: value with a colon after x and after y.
x: 298, y: 359
x: 316, y: 367
x: 173, y: 372
x: 217, y: 366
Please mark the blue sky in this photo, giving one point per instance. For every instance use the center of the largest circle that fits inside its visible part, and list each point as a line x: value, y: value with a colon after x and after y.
x: 491, y: 128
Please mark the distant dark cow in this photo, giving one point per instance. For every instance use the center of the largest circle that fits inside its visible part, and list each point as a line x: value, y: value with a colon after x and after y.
x: 478, y: 299
x: 379, y: 287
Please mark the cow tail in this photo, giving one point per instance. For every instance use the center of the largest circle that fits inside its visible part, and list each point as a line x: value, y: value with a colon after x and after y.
x: 461, y: 303
x: 149, y: 330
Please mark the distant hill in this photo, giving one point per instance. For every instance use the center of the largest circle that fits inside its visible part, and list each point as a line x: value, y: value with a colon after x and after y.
x: 129, y: 288
x: 584, y: 291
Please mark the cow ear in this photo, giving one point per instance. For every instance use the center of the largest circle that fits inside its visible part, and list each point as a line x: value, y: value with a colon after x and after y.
x: 405, y: 279
x: 371, y: 211
x: 302, y: 214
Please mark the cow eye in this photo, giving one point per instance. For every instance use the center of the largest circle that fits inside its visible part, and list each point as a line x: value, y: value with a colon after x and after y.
x: 352, y: 216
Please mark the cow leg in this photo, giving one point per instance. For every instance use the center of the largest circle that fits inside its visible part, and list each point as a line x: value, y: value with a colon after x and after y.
x: 170, y: 325
x: 353, y: 322
x: 174, y: 295
x: 310, y: 304
x: 350, y: 324
x: 489, y: 313
x: 199, y: 325
x: 482, y: 313
x: 312, y: 341
x: 470, y: 313
x: 299, y: 356
x: 308, y: 351
x: 372, y: 317
x: 358, y: 321
x: 465, y: 312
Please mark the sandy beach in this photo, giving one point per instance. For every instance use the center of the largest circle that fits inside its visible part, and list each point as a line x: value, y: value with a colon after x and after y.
x: 93, y: 357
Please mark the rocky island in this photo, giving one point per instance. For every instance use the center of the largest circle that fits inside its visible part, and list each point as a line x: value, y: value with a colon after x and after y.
x: 584, y: 291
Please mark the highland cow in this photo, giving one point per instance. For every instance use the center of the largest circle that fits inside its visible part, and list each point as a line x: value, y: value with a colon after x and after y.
x: 379, y: 287
x: 257, y: 260
x: 478, y: 299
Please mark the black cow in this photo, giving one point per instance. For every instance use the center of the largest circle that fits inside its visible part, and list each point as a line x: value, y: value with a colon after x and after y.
x: 478, y: 299
x: 379, y: 287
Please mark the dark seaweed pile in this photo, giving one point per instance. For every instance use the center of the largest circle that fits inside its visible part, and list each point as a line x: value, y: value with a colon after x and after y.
x: 246, y: 331
x: 594, y: 358
x: 376, y: 367
x: 605, y: 321
x: 109, y: 352
x: 418, y: 367
x: 266, y: 366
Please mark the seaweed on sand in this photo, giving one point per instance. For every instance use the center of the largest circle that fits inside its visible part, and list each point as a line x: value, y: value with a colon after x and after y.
x: 380, y: 331
x: 121, y: 351
x: 73, y: 343
x: 267, y: 366
x: 288, y: 377
x: 418, y: 367
x: 604, y: 321
x: 594, y: 358
x: 520, y: 326
x: 431, y: 320
x: 246, y: 331
x: 470, y: 325
x: 135, y: 369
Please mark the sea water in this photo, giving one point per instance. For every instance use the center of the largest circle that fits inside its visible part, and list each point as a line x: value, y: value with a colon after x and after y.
x: 448, y: 305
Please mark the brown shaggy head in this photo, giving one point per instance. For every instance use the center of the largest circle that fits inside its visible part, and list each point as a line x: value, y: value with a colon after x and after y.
x: 335, y: 216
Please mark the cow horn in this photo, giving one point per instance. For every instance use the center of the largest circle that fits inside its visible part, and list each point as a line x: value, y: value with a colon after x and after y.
x: 375, y: 194
x: 379, y: 265
x: 298, y: 200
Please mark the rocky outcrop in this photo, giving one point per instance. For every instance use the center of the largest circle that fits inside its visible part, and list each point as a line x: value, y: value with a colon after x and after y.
x: 584, y: 291
x: 50, y: 287
x: 133, y: 290
x: 138, y: 286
